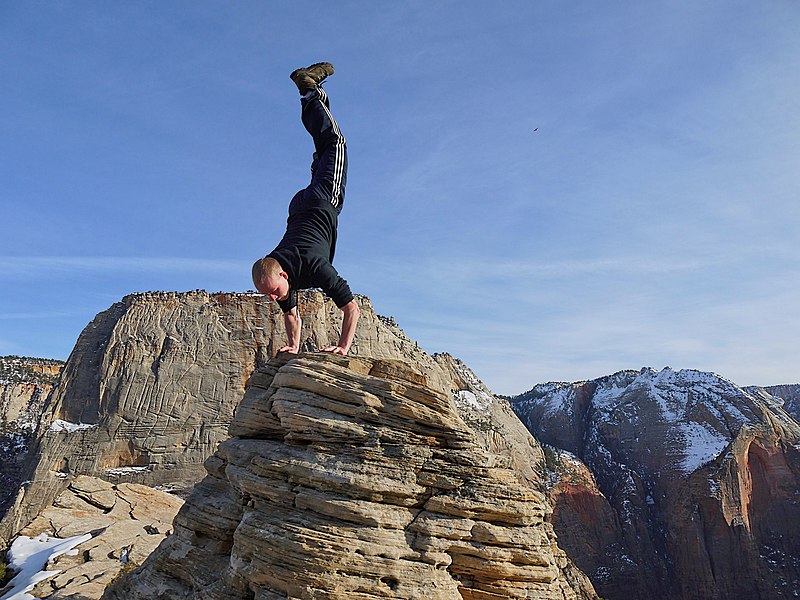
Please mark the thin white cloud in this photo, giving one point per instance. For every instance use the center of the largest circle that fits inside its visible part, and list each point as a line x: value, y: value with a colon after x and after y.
x: 44, y: 314
x: 742, y: 329
x: 32, y: 266
x: 453, y: 275
x: 750, y: 340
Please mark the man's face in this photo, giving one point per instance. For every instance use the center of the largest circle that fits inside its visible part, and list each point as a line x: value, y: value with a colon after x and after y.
x: 277, y: 288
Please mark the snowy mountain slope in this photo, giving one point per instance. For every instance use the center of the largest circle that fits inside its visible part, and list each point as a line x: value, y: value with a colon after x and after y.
x: 790, y: 394
x: 690, y: 463
x: 696, y: 414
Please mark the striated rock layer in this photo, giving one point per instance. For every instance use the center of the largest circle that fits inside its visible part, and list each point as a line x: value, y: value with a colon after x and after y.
x: 353, y: 478
x: 127, y: 522
x: 150, y: 389
x: 151, y: 385
x: 25, y: 383
x: 694, y: 484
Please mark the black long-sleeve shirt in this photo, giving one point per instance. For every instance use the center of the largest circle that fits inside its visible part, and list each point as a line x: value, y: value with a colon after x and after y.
x: 306, y: 251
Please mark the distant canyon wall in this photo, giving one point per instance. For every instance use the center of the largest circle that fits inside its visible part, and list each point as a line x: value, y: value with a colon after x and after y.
x: 672, y: 484
x: 25, y: 384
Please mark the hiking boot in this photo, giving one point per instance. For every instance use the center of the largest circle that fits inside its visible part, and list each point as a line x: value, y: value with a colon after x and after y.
x: 308, y: 78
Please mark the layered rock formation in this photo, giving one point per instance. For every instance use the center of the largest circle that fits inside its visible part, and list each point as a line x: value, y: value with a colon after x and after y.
x: 25, y: 383
x: 127, y: 522
x: 150, y: 388
x: 349, y: 478
x: 693, y: 486
x: 493, y: 421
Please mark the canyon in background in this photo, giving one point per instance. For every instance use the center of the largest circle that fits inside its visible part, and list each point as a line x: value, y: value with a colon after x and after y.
x: 657, y: 484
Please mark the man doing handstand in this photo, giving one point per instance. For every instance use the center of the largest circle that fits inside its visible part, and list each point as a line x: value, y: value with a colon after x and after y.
x: 303, y: 258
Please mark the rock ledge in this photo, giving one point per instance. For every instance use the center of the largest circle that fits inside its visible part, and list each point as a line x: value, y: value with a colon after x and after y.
x: 355, y: 478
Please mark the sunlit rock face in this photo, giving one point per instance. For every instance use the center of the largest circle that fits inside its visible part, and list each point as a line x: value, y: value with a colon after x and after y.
x: 125, y: 523
x: 150, y: 389
x: 25, y: 384
x: 678, y: 484
x: 151, y: 385
x: 351, y: 477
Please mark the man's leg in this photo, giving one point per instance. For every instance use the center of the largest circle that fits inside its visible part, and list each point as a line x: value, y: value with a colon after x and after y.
x: 329, y: 171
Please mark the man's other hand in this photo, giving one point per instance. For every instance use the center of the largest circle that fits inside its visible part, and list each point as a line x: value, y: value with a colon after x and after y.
x: 289, y: 349
x: 335, y: 350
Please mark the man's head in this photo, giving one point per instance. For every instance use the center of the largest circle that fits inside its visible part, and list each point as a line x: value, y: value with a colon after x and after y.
x: 270, y: 279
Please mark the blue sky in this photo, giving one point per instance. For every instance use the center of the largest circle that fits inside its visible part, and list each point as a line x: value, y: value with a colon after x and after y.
x: 547, y: 190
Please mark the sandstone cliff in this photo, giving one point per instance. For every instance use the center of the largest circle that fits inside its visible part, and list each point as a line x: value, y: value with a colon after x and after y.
x: 588, y: 526
x: 150, y: 389
x: 25, y: 383
x: 693, y: 485
x: 353, y: 478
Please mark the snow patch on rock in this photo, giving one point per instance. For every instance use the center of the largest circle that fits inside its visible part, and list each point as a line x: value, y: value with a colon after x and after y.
x: 28, y: 556
x: 117, y: 471
x: 702, y: 444
x: 468, y: 399
x: 59, y: 425
x: 477, y: 396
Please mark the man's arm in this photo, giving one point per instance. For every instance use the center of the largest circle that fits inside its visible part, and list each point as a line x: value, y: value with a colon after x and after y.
x: 293, y: 324
x: 351, y: 314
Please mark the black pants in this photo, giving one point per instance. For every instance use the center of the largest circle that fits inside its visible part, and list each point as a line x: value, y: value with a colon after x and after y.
x: 329, y: 168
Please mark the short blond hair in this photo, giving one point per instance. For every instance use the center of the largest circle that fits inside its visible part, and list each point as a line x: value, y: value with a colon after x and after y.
x: 265, y: 268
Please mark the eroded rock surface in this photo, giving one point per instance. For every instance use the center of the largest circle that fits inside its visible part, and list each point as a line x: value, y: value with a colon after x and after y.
x: 352, y: 478
x: 151, y: 385
x: 25, y: 383
x: 493, y: 421
x: 127, y: 521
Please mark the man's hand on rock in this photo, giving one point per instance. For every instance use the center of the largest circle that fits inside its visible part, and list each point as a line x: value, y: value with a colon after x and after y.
x: 335, y: 350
